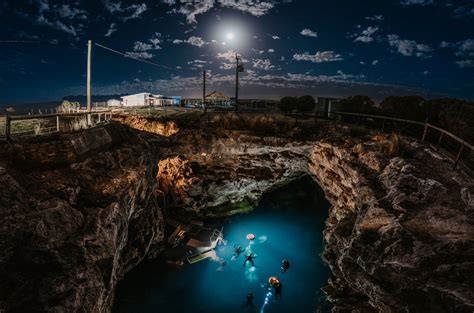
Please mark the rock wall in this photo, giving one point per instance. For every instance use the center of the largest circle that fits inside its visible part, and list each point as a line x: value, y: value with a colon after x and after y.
x: 74, y: 218
x: 78, y: 211
x: 399, y: 237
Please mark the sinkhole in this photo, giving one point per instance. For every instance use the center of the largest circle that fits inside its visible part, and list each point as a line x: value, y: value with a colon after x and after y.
x: 288, y: 224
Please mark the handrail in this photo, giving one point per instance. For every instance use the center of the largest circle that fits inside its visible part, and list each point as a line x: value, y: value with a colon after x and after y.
x: 462, y: 141
x: 382, y: 117
x: 42, y: 116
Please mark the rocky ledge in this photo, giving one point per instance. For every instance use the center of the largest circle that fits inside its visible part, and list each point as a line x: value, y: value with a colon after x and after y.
x: 80, y: 210
x: 76, y: 212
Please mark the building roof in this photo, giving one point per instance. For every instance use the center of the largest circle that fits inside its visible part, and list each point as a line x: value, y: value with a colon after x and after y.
x: 136, y: 94
x: 215, y: 95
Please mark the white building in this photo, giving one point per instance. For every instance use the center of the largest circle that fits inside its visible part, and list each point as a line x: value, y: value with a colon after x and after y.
x: 145, y: 99
x: 114, y: 103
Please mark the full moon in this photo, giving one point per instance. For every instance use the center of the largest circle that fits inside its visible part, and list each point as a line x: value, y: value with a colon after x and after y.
x: 230, y: 36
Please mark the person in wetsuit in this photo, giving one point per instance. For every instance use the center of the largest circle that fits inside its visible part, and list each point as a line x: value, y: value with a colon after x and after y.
x: 249, y: 258
x: 237, y: 251
x: 249, y: 301
x: 278, y: 287
x: 285, y: 265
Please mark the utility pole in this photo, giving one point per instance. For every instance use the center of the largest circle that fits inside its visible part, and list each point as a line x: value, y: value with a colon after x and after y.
x: 236, y: 82
x: 204, y: 90
x: 89, y: 106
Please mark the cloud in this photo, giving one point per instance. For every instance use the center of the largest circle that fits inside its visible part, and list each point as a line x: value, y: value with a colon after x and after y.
x: 112, y: 29
x: 275, y: 37
x: 193, y: 40
x: 375, y: 62
x: 66, y: 11
x: 409, y: 47
x: 271, y: 50
x: 125, y: 13
x: 263, y: 64
x: 141, y: 46
x: 228, y: 55
x: 140, y: 55
x: 196, y: 41
x: 325, y: 56
x: 192, y: 10
x: 255, y: 8
x: 465, y: 63
x: 309, y: 33
x: 416, y: 2
x: 375, y: 18
x: 426, y: 73
x: 465, y: 48
x: 366, y: 35
x: 41, y: 20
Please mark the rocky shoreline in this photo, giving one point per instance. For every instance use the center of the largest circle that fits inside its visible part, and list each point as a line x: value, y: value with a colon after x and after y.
x: 399, y: 236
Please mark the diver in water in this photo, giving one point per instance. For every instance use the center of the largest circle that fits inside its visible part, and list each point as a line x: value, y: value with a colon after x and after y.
x: 249, y: 301
x: 278, y: 287
x: 237, y: 251
x: 285, y: 265
x: 249, y: 258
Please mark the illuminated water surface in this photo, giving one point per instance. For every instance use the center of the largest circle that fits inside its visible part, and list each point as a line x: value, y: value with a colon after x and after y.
x: 288, y: 224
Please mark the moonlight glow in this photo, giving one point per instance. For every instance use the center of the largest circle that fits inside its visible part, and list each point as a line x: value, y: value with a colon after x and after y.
x: 230, y: 36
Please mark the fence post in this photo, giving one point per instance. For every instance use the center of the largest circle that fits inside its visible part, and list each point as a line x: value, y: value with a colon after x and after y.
x: 439, y: 141
x: 458, y: 156
x: 57, y: 122
x: 315, y: 117
x: 7, y: 126
x: 425, y: 131
x: 383, y: 125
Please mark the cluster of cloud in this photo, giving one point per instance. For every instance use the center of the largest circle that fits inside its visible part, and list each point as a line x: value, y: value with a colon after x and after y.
x: 464, y: 49
x: 263, y: 64
x: 309, y: 33
x: 366, y: 35
x: 416, y: 2
x: 192, y: 9
x: 318, y: 57
x: 409, y: 47
x: 53, y: 16
x: 125, y: 13
x: 193, y: 40
x: 375, y: 18
x: 142, y: 50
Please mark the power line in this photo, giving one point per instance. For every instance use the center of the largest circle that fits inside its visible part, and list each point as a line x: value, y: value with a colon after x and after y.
x: 132, y: 57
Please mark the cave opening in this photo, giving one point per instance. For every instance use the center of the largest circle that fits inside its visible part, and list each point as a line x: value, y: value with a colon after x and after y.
x: 288, y: 223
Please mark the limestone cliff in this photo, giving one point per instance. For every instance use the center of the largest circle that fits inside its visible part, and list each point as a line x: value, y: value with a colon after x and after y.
x: 77, y: 212
x: 399, y: 237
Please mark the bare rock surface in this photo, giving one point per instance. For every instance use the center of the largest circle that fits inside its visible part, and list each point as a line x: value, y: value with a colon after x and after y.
x: 71, y: 223
x: 75, y: 216
x: 400, y: 236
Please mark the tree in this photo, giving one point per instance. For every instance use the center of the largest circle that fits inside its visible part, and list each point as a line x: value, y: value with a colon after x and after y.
x: 306, y: 104
x: 408, y: 107
x: 288, y: 104
x: 357, y: 104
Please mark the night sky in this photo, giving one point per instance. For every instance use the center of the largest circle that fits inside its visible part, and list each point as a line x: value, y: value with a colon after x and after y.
x: 324, y: 48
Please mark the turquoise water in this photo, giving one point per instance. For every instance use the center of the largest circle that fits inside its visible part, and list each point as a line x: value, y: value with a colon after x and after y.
x: 288, y: 224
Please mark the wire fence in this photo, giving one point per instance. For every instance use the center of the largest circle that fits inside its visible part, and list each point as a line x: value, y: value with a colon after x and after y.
x: 15, y: 127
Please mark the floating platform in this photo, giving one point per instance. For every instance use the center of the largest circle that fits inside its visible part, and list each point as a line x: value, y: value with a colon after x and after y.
x: 192, y: 241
